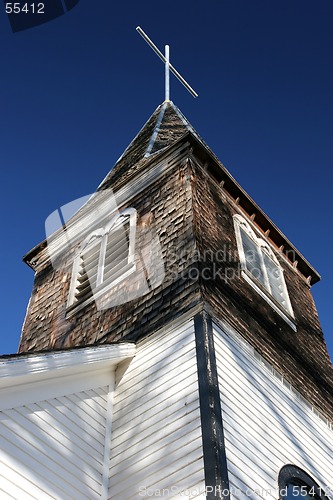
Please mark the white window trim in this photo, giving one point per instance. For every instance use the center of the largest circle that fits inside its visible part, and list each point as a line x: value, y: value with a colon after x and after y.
x: 103, y: 233
x: 286, y: 313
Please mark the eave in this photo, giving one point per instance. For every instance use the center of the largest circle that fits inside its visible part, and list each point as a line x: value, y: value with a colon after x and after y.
x: 16, y: 368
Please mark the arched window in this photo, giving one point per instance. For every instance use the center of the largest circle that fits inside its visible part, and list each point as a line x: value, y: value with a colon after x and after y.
x: 296, y: 483
x: 260, y: 265
x: 105, y: 258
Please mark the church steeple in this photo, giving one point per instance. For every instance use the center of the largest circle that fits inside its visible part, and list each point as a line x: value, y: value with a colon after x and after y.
x: 173, y: 255
x: 181, y: 212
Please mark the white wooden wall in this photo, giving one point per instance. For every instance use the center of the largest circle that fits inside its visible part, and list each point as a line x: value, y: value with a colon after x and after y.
x: 156, y: 438
x: 54, y: 448
x: 266, y: 425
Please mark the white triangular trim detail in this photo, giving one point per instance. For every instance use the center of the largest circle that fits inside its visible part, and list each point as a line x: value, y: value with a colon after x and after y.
x: 156, y: 131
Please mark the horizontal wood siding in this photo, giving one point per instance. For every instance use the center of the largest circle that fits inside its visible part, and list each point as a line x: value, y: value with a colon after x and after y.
x: 156, y: 438
x: 266, y: 425
x: 54, y: 448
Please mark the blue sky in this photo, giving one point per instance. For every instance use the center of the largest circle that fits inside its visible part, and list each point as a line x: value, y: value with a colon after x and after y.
x: 76, y: 90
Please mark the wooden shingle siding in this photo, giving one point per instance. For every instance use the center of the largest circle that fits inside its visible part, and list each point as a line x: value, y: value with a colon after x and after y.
x: 156, y: 438
x: 300, y: 355
x: 165, y: 209
x: 266, y: 425
x: 54, y: 448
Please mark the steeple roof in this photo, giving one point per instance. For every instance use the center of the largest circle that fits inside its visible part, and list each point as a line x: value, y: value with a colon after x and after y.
x: 165, y: 126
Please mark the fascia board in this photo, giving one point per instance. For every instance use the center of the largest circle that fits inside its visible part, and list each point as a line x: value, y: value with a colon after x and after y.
x: 43, y: 367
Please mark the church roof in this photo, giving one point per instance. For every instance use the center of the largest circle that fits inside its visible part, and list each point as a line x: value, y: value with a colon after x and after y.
x: 165, y: 127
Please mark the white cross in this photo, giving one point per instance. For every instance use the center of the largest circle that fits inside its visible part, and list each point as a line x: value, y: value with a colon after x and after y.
x: 168, y: 66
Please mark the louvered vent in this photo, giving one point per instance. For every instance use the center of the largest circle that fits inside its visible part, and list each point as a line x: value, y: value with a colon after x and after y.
x: 106, y: 257
x: 87, y: 275
x: 117, y: 251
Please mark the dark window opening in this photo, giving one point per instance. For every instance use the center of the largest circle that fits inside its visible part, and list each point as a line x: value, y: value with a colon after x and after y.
x: 296, y: 483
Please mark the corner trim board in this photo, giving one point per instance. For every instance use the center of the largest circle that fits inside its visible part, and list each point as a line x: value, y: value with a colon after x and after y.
x: 215, y: 460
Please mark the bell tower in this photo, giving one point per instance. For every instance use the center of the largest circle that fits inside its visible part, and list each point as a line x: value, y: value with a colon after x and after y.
x: 172, y: 254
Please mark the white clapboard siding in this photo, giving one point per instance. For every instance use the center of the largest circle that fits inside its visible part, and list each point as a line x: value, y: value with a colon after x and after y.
x: 54, y: 448
x: 266, y: 425
x: 156, y: 431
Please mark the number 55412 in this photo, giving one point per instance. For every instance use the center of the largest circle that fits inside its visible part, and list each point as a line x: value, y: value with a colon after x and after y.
x: 17, y: 8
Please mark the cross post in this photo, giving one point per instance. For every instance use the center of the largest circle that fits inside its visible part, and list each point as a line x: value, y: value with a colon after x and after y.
x: 168, y: 66
x: 167, y: 73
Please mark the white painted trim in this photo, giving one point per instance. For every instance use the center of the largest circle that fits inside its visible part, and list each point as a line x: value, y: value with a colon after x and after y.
x: 74, y: 282
x: 132, y: 213
x: 132, y: 235
x: 156, y: 130
x: 241, y: 221
x: 97, y: 233
x: 101, y: 262
x: 100, y: 205
x: 58, y: 363
x: 102, y: 289
x: 262, y: 294
x: 101, y: 286
x: 286, y: 313
x: 116, y: 220
x: 27, y: 390
x: 40, y: 377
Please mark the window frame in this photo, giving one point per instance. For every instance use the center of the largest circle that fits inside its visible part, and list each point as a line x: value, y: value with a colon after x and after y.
x: 264, y: 290
x: 290, y: 473
x: 101, y: 285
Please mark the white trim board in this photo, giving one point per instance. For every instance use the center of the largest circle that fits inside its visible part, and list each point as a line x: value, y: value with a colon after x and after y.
x: 41, y: 376
x: 25, y: 365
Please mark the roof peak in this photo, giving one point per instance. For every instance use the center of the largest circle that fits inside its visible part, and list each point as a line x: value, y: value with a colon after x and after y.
x: 162, y: 110
x: 164, y: 127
